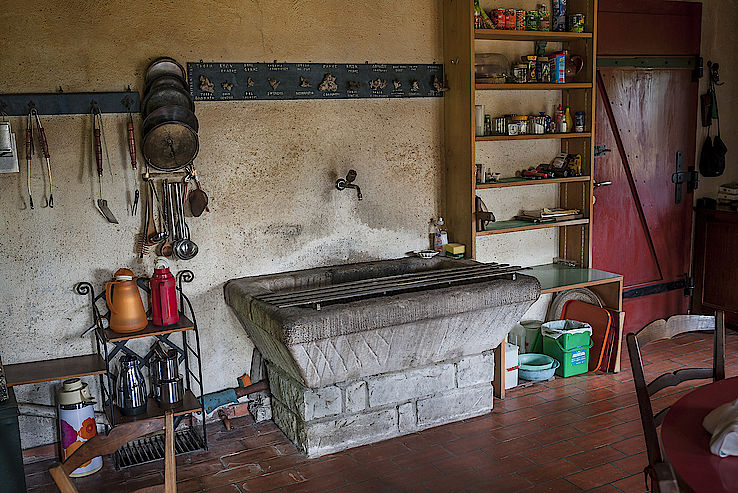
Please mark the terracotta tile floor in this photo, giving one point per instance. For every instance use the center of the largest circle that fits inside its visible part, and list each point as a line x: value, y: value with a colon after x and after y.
x: 577, y: 434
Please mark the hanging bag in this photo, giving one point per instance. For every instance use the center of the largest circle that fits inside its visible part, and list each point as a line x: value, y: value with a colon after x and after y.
x: 712, y: 158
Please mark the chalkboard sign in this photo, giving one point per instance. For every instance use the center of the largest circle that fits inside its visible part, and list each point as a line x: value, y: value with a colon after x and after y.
x: 278, y: 81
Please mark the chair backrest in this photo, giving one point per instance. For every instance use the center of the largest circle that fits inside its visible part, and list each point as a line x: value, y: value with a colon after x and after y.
x: 666, y: 329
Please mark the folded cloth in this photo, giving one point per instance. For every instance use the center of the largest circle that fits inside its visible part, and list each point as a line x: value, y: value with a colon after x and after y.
x: 722, y: 424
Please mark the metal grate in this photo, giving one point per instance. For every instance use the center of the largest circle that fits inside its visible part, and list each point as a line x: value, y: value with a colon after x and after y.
x: 151, y: 448
x: 367, y: 288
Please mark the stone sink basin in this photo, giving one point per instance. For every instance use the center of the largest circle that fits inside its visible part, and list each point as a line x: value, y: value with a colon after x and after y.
x: 354, y: 339
x: 360, y: 370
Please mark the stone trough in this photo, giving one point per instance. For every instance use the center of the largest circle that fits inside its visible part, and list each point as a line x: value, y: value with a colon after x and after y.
x: 347, y: 371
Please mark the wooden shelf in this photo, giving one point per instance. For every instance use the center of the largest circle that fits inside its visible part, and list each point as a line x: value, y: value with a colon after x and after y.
x: 54, y: 369
x: 512, y: 226
x: 151, y: 330
x: 534, y: 86
x: 190, y: 404
x: 496, y: 138
x: 505, y: 35
x: 522, y: 182
x: 559, y: 277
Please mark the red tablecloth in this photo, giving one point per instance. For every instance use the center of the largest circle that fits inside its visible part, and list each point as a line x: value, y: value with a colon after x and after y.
x: 687, y: 444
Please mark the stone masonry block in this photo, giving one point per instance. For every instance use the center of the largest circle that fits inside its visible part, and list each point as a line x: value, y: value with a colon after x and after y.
x: 356, y: 396
x: 399, y: 387
x: 407, y: 417
x: 454, y: 405
x: 326, y: 436
x: 307, y: 403
x: 476, y: 369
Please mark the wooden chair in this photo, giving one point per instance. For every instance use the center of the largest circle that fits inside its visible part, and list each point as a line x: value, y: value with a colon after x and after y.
x: 663, y: 479
x: 118, y: 436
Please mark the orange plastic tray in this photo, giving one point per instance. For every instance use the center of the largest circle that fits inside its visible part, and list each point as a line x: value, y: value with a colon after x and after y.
x: 599, y: 319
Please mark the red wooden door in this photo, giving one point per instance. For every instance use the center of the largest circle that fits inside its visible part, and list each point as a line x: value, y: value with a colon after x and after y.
x: 645, y: 116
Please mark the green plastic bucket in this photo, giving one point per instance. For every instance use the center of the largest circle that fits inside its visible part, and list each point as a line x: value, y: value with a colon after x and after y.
x: 570, y: 347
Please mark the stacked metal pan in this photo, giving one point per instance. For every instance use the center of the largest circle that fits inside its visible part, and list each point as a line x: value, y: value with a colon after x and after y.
x: 170, y: 126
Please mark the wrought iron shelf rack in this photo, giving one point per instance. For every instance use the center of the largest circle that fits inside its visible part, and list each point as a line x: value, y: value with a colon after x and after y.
x: 111, y: 345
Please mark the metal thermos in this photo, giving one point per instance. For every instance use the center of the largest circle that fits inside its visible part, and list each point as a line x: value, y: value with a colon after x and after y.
x: 130, y: 389
x: 77, y: 423
x: 163, y: 294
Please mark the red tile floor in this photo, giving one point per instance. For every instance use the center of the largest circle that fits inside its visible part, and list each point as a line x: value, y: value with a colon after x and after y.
x: 582, y: 433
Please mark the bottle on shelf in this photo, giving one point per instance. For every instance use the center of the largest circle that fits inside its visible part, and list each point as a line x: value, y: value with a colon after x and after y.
x: 560, y: 120
x: 569, y: 121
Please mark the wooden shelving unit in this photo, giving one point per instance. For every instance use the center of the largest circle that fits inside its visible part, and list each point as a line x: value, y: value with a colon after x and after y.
x: 460, y: 42
x: 189, y: 404
x: 523, y: 182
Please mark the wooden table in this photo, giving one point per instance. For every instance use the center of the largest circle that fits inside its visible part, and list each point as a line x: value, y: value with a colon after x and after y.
x: 687, y: 444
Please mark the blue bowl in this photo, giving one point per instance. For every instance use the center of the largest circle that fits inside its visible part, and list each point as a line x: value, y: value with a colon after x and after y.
x: 535, y: 375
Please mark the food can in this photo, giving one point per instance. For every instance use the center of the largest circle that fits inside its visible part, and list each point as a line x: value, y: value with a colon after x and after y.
x: 579, y: 121
x: 530, y: 61
x: 543, y: 72
x: 531, y: 20
x: 510, y: 16
x: 520, y: 73
x: 498, y: 18
x: 576, y: 23
x: 544, y: 18
x: 520, y: 20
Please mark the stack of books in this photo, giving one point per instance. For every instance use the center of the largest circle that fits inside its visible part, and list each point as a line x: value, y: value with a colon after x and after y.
x: 547, y: 215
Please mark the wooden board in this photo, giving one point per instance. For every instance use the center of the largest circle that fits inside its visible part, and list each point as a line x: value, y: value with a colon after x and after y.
x: 152, y: 330
x: 504, y: 35
x: 458, y: 128
x: 537, y: 86
x: 189, y: 405
x: 513, y: 226
x: 54, y: 369
x: 493, y: 138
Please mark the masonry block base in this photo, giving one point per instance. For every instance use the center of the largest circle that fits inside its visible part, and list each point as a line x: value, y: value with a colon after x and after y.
x: 367, y: 410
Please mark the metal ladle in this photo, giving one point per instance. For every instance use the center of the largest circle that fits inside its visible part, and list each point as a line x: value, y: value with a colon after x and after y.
x: 184, y: 247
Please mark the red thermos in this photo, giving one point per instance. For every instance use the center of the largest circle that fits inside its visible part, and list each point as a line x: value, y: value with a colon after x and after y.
x: 163, y: 294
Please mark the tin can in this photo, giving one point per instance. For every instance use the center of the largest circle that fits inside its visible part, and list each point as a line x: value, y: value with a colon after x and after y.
x: 543, y: 71
x: 576, y: 23
x: 487, y: 125
x: 520, y: 20
x: 510, y: 16
x: 530, y: 61
x: 500, y: 126
x: 498, y: 18
x: 531, y: 20
x: 579, y: 121
x: 520, y: 73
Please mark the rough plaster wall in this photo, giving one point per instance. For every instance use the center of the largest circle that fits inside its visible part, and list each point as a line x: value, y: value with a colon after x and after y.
x: 719, y: 38
x: 269, y: 167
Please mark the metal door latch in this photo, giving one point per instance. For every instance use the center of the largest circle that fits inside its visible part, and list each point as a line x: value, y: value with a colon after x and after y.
x: 690, y: 177
x: 601, y: 150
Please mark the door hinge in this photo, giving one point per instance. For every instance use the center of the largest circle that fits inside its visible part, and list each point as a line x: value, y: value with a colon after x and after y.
x: 690, y: 177
x: 601, y: 150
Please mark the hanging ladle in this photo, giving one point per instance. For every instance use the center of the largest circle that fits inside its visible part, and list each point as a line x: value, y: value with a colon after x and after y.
x: 184, y: 247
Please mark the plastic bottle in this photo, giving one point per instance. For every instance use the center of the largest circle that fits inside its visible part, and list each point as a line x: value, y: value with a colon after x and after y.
x: 559, y: 120
x: 569, y: 121
x: 441, y: 238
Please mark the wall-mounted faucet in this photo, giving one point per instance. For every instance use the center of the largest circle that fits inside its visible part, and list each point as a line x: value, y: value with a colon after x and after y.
x: 347, y: 182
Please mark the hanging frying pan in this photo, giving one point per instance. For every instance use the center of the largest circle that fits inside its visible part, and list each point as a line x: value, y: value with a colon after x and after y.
x: 168, y: 80
x: 166, y: 96
x: 164, y: 66
x: 170, y: 138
